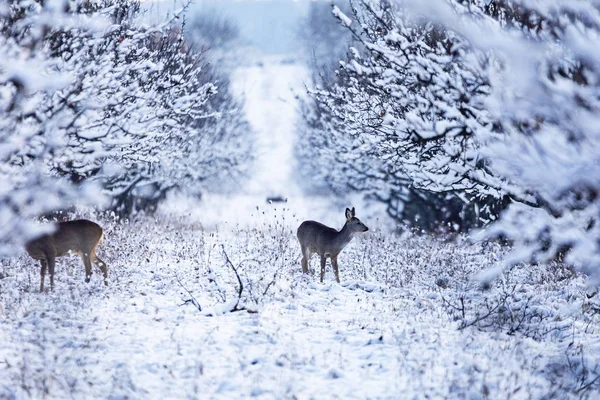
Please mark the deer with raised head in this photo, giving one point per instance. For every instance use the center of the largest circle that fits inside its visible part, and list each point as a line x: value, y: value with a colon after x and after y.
x: 314, y: 237
x: 71, y: 237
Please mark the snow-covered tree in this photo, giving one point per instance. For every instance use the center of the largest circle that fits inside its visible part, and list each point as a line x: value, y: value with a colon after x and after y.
x: 35, y: 98
x: 92, y: 96
x: 324, y: 44
x: 402, y: 116
x: 544, y: 91
x: 480, y: 100
x: 228, y: 136
x: 546, y: 99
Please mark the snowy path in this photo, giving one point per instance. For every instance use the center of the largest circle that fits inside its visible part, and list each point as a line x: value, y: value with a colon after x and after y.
x: 268, y: 88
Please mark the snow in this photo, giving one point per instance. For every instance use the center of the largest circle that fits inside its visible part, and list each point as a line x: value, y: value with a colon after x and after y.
x: 207, y: 300
x: 268, y: 87
x: 346, y: 21
x: 390, y: 335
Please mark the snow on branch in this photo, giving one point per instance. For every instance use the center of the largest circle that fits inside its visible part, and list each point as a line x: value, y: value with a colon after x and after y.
x: 337, y: 13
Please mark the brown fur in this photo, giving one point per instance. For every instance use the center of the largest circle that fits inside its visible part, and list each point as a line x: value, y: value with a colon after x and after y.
x: 71, y: 237
x: 314, y: 237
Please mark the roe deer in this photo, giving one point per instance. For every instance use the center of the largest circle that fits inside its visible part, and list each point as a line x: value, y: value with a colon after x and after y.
x: 71, y: 237
x: 315, y: 237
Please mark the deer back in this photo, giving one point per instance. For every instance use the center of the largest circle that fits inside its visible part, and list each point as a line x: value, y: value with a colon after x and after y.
x: 79, y: 237
x: 320, y: 238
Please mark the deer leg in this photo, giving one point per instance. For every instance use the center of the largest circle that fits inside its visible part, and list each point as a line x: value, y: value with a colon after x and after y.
x: 103, y: 268
x: 88, y: 266
x: 334, y: 264
x: 43, y: 274
x: 51, y: 262
x: 304, y: 261
x: 323, y: 261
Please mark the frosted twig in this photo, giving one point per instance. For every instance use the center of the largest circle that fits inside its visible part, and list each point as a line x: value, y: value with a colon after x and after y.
x: 192, y: 299
x: 241, y: 288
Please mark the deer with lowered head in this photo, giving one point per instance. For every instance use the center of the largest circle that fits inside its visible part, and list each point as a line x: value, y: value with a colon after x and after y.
x: 314, y: 237
x: 71, y: 237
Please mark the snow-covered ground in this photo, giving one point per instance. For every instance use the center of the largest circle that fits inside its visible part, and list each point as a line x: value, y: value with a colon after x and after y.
x: 408, y: 320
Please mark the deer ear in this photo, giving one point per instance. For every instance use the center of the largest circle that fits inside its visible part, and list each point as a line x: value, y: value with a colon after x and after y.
x: 348, y: 213
x: 353, y: 212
